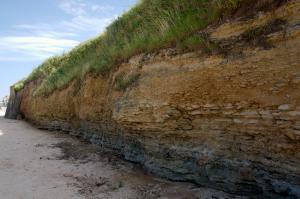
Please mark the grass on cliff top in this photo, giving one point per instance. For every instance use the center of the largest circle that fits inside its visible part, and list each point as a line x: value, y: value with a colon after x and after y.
x: 150, y: 25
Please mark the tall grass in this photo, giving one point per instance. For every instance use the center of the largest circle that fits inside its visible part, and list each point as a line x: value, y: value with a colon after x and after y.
x: 150, y: 25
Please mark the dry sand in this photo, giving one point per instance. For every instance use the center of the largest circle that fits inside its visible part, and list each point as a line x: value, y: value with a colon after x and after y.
x: 36, y: 164
x: 2, y: 111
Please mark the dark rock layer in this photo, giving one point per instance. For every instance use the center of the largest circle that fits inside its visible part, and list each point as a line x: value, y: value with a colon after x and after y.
x: 13, y: 106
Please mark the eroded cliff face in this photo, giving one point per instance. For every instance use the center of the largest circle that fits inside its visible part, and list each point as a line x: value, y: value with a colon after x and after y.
x: 13, y: 106
x: 228, y: 120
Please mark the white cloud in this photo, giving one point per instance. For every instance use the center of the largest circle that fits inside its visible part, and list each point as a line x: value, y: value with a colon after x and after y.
x: 44, y: 30
x: 84, y: 16
x: 36, y: 47
x: 41, y: 40
x: 84, y: 23
x: 73, y: 7
x: 32, y: 26
x: 22, y: 58
x: 79, y: 8
x: 41, y: 43
x: 102, y: 8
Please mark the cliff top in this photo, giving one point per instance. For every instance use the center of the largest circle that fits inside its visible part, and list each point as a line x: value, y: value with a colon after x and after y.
x: 148, y: 26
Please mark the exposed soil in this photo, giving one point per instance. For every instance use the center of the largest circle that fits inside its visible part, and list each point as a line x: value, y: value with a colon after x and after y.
x: 37, y: 164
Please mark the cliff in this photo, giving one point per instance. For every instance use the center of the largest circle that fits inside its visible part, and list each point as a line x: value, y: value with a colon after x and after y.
x: 228, y: 118
x: 13, y: 105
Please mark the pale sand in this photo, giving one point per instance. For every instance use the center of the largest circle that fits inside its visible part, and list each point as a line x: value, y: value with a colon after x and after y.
x: 36, y: 164
x: 2, y: 111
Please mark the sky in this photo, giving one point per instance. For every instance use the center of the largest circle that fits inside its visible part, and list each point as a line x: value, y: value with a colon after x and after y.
x: 33, y: 30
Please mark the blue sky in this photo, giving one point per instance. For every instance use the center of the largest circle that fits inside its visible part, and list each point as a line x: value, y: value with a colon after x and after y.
x: 34, y: 30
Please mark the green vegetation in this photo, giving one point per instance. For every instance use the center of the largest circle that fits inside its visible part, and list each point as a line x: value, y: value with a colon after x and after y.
x: 198, y: 41
x: 150, y: 25
x: 122, y: 82
x: 19, y: 86
x: 120, y: 184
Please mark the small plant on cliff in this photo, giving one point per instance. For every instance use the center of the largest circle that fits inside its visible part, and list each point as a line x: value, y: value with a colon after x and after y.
x: 19, y: 86
x: 120, y: 184
x: 122, y: 82
x: 198, y: 41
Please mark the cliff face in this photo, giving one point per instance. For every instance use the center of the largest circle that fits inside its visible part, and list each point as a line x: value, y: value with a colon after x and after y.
x: 228, y: 120
x: 13, y: 105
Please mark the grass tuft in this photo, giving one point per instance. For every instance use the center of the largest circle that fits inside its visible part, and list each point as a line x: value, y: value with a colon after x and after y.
x: 199, y: 42
x: 19, y: 86
x: 122, y: 82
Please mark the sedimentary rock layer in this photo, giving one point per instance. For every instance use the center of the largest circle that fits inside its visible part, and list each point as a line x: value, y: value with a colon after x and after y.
x: 13, y: 106
x: 228, y: 120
